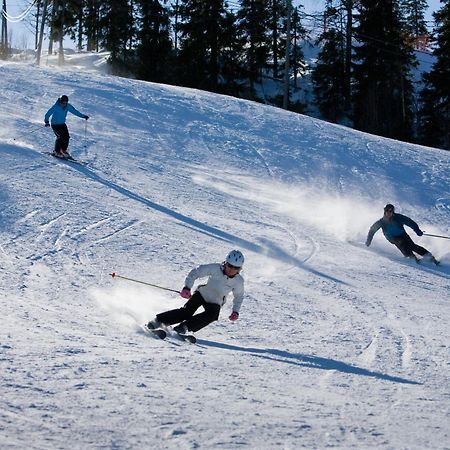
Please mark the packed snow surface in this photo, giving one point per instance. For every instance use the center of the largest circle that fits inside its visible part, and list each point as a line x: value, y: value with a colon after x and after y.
x: 337, y: 345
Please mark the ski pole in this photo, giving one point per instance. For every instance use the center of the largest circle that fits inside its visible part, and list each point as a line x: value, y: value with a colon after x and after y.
x: 436, y: 235
x: 85, y: 133
x: 114, y: 275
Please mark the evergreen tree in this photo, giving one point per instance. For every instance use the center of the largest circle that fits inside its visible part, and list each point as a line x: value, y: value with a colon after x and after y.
x: 435, y: 114
x: 382, y: 71
x: 329, y: 76
x: 348, y: 7
x: 154, y: 44
x: 413, y: 12
x: 231, y: 71
x: 298, y: 34
x: 201, y: 28
x: 117, y: 30
x: 91, y: 24
x: 253, y: 19
x: 73, y: 21
x: 277, y: 12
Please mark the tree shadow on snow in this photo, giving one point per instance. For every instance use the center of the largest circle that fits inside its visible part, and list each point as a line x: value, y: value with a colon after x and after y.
x: 313, y: 362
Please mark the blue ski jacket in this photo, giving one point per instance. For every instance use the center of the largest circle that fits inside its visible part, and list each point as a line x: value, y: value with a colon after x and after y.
x: 393, y: 228
x: 59, y: 113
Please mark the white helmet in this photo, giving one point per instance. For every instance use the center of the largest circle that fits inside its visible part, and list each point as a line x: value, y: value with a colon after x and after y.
x: 235, y: 258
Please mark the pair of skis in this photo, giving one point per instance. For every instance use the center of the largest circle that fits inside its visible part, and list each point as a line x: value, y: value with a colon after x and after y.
x: 162, y: 334
x: 69, y: 159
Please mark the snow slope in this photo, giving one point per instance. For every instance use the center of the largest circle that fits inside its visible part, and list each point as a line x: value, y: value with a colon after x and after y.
x: 337, y: 345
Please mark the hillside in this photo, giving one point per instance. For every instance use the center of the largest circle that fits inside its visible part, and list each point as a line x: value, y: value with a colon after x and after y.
x: 337, y: 345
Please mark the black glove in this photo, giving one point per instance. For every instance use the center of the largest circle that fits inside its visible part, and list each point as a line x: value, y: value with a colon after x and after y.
x: 419, y: 233
x: 47, y: 124
x: 86, y: 117
x: 367, y: 243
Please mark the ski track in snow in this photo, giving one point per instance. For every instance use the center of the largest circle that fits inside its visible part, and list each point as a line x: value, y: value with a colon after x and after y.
x: 337, y: 345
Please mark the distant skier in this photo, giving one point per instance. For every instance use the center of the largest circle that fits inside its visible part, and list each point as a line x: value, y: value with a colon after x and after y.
x: 223, y: 278
x: 392, y: 225
x: 58, y: 113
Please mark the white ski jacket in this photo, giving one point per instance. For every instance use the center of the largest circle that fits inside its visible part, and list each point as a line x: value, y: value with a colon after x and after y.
x: 218, y: 285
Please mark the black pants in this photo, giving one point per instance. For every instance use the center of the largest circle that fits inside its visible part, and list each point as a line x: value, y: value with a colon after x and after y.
x: 186, y: 313
x: 406, y: 245
x: 62, y: 137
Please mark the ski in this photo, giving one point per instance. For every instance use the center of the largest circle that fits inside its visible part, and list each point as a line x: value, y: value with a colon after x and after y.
x: 186, y: 337
x: 157, y: 332
x: 162, y: 334
x: 71, y: 159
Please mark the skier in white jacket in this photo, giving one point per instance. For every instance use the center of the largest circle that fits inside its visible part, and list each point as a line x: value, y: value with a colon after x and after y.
x: 223, y: 279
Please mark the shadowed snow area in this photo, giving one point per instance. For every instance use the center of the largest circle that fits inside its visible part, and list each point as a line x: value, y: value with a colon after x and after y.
x: 337, y: 345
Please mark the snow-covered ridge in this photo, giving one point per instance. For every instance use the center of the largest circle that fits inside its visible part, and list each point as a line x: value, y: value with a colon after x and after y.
x: 336, y: 345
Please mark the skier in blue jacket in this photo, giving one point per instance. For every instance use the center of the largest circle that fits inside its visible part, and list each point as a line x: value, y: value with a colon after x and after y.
x: 392, y: 226
x: 58, y: 113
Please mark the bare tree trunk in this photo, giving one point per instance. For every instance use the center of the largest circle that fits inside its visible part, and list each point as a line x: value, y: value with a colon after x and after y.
x: 36, y: 28
x: 4, y: 43
x: 61, y: 34
x: 348, y: 53
x: 275, y: 38
x: 176, y: 27
x: 41, y: 34
x: 52, y: 30
x: 286, y: 63
x: 80, y: 29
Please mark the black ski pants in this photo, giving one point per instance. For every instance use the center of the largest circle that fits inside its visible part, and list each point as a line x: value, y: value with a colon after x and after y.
x: 406, y: 245
x: 186, y: 313
x: 62, y: 137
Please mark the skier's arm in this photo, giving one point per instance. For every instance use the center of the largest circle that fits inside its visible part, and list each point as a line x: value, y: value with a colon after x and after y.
x: 410, y: 223
x: 48, y: 114
x: 75, y: 111
x: 238, y: 294
x: 199, y: 272
x: 373, y: 229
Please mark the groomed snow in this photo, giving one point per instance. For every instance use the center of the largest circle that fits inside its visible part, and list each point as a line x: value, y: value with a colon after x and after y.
x: 337, y: 345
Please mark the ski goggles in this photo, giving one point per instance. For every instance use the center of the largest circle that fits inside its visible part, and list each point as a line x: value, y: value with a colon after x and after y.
x: 233, y: 267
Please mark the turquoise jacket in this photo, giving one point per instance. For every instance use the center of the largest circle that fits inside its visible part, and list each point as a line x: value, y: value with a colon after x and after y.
x: 393, y: 228
x: 59, y: 113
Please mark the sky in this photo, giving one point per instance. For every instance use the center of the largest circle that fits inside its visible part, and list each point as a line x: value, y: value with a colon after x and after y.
x: 23, y: 34
x: 338, y: 345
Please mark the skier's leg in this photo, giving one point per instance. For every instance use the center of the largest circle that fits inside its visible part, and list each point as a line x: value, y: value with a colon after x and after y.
x: 57, y: 130
x: 421, y: 250
x: 180, y: 314
x: 404, y: 244
x: 64, y: 137
x: 417, y: 248
x: 199, y: 321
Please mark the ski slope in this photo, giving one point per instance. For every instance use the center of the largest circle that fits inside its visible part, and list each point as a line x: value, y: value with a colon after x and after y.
x: 337, y: 345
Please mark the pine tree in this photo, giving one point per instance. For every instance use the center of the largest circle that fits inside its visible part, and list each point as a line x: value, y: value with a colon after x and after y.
x: 201, y: 28
x: 154, y: 44
x: 329, y: 76
x: 117, y: 30
x: 382, y: 72
x: 298, y: 33
x: 231, y: 71
x: 277, y: 12
x: 253, y: 20
x: 73, y: 21
x: 91, y: 24
x: 413, y: 12
x: 435, y: 113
